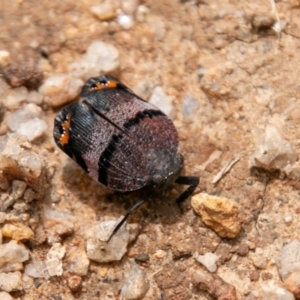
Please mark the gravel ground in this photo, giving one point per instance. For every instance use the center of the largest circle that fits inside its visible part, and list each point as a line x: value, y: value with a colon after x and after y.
x: 227, y: 74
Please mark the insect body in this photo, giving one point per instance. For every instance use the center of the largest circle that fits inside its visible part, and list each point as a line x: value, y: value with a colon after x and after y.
x: 121, y: 140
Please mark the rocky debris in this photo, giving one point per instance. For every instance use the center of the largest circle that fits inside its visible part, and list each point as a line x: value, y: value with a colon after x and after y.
x: 258, y: 259
x: 18, y: 188
x: 288, y: 259
x: 57, y: 224
x: 35, y: 97
x: 23, y: 73
x: 163, y: 102
x: 99, y: 58
x: 37, y: 269
x: 272, y: 151
x: 5, y: 296
x: 54, y: 259
x: 60, y: 89
x: 292, y: 283
x: 219, y: 213
x: 208, y: 260
x: 11, y: 281
x: 27, y: 121
x: 136, y: 283
x: 214, y: 285
x: 270, y: 290
x: 19, y: 161
x: 74, y: 283
x: 96, y: 246
x: 17, y: 231
x: 12, y: 255
x: 15, y: 98
x: 104, y: 11
x: 77, y: 262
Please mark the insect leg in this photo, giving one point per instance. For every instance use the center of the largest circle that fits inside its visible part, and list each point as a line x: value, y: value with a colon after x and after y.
x: 192, y: 181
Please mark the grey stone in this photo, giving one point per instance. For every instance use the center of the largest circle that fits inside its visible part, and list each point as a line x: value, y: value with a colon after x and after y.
x: 100, y: 251
x: 136, y: 284
x: 288, y: 260
x: 12, y: 253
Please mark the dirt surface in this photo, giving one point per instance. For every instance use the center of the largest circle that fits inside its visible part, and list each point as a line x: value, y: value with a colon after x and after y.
x: 243, y: 74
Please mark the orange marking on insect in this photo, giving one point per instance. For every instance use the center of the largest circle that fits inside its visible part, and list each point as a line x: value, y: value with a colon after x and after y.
x: 65, y: 137
x: 111, y: 84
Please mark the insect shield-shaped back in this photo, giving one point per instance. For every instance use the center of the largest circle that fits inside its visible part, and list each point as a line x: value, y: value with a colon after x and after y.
x: 118, y: 138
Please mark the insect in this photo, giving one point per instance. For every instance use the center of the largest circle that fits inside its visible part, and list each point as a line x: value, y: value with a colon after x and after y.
x: 121, y: 140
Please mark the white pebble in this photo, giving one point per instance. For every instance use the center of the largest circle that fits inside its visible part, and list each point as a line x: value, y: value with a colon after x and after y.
x: 25, y: 121
x: 11, y: 281
x: 54, y: 259
x: 37, y: 269
x: 100, y: 251
x: 163, y: 102
x: 60, y: 89
x: 136, y: 283
x: 125, y: 21
x: 272, y: 151
x: 288, y: 218
x: 5, y: 296
x: 99, y: 58
x: 14, y: 99
x: 208, y: 260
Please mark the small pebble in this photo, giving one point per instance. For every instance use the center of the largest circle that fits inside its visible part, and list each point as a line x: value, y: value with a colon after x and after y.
x: 18, y: 189
x: 100, y: 251
x: 243, y: 249
x: 136, y: 283
x: 5, y: 296
x: 74, y: 283
x: 129, y: 6
x: 60, y: 89
x: 272, y: 151
x: 125, y: 21
x: 54, y: 259
x: 189, y: 106
x: 26, y: 121
x: 10, y: 282
x: 77, y: 262
x: 35, y: 97
x: 208, y: 260
x: 99, y: 58
x: 159, y: 254
x: 12, y: 253
x: 219, y: 213
x: 4, y: 58
x: 17, y: 231
x: 15, y: 98
x: 37, y: 269
x: 163, y: 102
x: 270, y: 290
x: 105, y: 11
x: 288, y: 259
x: 142, y: 257
x: 292, y: 283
